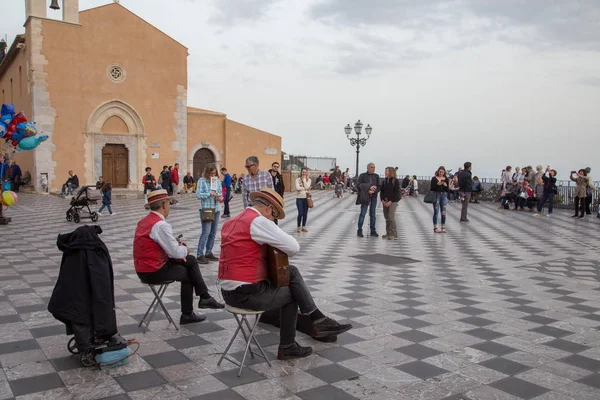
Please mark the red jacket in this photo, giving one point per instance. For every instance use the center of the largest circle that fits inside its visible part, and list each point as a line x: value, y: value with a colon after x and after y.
x: 175, y: 176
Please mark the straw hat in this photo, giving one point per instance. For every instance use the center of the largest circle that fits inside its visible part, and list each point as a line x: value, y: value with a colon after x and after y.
x: 273, y: 198
x: 158, y: 195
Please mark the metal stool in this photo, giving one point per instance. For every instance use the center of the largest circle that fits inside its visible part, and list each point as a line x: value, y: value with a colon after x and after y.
x: 237, y: 313
x: 158, y: 294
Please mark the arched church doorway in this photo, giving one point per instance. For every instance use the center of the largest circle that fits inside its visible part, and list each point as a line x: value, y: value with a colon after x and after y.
x: 201, y: 158
x: 115, y: 165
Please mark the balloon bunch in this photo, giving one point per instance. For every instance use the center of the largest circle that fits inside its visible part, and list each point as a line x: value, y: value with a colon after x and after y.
x: 16, y: 131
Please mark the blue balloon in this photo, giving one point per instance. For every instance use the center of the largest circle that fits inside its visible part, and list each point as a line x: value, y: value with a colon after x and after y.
x: 8, y: 109
x: 6, y: 119
x: 2, y: 129
x: 30, y: 143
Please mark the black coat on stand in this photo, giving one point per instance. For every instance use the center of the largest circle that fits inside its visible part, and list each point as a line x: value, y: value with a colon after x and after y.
x: 84, y: 292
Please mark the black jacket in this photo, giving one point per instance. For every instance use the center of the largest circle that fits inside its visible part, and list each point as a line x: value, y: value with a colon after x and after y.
x: 278, y: 183
x: 84, y: 292
x: 365, y: 181
x: 465, y: 182
x: 73, y: 180
x: 390, y: 190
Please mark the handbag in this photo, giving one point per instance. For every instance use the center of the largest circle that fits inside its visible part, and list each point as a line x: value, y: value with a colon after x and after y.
x: 208, y: 214
x: 429, y: 197
x: 309, y: 199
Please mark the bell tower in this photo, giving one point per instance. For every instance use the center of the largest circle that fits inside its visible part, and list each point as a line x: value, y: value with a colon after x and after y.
x: 71, y: 11
x: 35, y: 8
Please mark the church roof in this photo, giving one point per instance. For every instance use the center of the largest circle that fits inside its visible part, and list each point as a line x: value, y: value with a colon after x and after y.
x: 194, y: 110
x: 11, y: 54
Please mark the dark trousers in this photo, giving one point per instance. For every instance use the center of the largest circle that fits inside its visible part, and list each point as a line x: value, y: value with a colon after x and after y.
x: 465, y: 206
x: 262, y: 296
x: 226, y: 200
x: 187, y: 273
x: 588, y: 204
x: 372, y: 207
x: 580, y: 205
x: 302, y: 205
x: 550, y: 198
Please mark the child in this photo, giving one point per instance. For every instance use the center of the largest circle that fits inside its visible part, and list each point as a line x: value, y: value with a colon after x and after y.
x: 106, y: 198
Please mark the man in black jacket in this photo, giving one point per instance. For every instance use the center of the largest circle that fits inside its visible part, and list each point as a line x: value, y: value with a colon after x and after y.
x: 368, y: 187
x: 70, y: 185
x: 83, y: 297
x: 465, y: 186
x: 277, y: 179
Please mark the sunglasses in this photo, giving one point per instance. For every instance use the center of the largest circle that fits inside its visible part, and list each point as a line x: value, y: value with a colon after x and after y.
x: 275, y: 166
x: 250, y: 166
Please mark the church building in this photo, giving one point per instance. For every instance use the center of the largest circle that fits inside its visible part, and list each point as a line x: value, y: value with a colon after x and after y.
x: 110, y: 90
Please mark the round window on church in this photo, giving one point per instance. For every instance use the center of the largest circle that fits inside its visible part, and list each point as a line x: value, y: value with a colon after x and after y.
x: 116, y: 72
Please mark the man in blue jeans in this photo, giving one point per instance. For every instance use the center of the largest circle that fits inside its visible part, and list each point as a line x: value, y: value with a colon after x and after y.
x: 226, y: 191
x: 368, y: 186
x: 70, y: 185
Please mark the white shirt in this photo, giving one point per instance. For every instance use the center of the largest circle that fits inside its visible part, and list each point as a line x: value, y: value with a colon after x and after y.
x: 162, y: 233
x: 265, y: 231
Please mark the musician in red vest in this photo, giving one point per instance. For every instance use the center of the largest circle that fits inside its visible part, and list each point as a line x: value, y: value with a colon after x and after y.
x: 243, y: 275
x: 158, y: 257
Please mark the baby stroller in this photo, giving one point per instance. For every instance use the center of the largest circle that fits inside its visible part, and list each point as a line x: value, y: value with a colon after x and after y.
x: 80, y: 204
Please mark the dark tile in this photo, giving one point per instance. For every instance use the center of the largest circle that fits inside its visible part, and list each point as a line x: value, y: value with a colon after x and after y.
x: 529, y: 309
x: 166, y: 359
x: 18, y: 346
x: 505, y: 366
x: 350, y: 313
x: 226, y: 394
x: 7, y: 319
x: 130, y: 329
x: 203, y: 327
x: 249, y: 360
x: 538, y: 319
x: 477, y: 321
x: 36, y: 384
x: 411, y: 312
x: 185, y: 342
x: 591, y: 380
x: 65, y: 363
x: 385, y: 259
x: 218, y: 316
x: 355, y: 296
x: 470, y: 310
x: 413, y: 323
x: 140, y: 380
x: 231, y: 379
x: 421, y: 370
x: 465, y: 302
x: 332, y: 373
x: 460, y: 294
x: 339, y: 354
x: 48, y: 331
x: 511, y: 293
x: 571, y: 299
x: 483, y: 333
x: 327, y: 392
x: 117, y: 397
x: 348, y: 338
x: 409, y: 295
x: 9, y: 292
x: 415, y: 336
x: 593, y: 317
x: 519, y: 301
x: 494, y: 348
x: 551, y: 331
x: 352, y: 304
x: 32, y: 308
x: 582, y: 362
x: 418, y: 351
x: 141, y: 289
x: 566, y: 345
x: 581, y: 307
x: 562, y: 292
x: 519, y: 388
x: 410, y: 303
x: 125, y: 297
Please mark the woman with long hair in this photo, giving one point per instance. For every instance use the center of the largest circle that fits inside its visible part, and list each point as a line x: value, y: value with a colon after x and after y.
x: 390, y: 196
x: 209, y: 199
x: 440, y: 185
x: 302, y: 192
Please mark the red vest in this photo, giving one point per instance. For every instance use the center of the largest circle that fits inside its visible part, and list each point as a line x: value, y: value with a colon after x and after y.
x: 242, y: 259
x: 148, y: 256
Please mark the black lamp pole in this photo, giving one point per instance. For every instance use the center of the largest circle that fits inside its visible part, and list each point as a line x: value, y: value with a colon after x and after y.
x: 358, y: 141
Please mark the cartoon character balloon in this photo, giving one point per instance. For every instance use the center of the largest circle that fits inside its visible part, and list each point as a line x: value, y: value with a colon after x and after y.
x: 30, y: 143
x: 9, y: 198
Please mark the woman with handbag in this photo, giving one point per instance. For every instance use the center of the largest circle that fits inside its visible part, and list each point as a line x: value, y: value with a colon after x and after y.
x: 390, y: 196
x: 303, y: 198
x: 210, y: 210
x: 440, y: 184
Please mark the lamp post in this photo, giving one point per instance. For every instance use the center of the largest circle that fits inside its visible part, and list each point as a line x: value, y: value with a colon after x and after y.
x: 358, y: 141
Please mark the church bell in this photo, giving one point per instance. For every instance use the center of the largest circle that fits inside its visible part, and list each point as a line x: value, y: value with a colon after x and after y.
x: 54, y: 5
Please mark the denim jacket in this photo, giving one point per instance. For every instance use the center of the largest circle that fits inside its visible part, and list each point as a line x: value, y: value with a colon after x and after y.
x: 203, y: 194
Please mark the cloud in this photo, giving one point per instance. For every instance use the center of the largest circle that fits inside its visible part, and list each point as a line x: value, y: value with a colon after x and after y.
x: 231, y: 12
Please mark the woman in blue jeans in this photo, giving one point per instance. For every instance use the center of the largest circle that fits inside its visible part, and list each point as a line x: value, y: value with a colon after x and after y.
x: 302, y: 193
x: 440, y: 184
x: 209, y: 199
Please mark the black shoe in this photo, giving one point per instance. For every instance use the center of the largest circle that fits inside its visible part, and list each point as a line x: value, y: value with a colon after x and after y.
x: 359, y: 234
x: 210, y: 303
x: 191, y: 318
x: 582, y: 216
x: 293, y: 351
x: 225, y: 216
x: 211, y: 257
x: 464, y: 220
x: 328, y: 327
x: 575, y: 216
x: 374, y: 234
x: 598, y: 216
x: 202, y: 260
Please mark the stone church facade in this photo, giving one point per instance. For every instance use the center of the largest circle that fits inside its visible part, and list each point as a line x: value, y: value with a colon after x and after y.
x: 110, y: 90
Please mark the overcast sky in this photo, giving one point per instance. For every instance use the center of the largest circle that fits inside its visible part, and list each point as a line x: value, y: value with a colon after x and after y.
x: 495, y: 82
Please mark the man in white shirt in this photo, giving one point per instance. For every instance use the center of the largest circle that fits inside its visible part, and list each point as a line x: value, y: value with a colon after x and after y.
x: 243, y: 275
x: 158, y: 257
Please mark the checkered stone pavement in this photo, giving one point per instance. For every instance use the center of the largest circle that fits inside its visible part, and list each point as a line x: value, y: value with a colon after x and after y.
x: 505, y: 307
